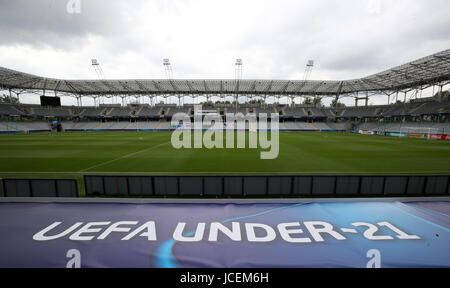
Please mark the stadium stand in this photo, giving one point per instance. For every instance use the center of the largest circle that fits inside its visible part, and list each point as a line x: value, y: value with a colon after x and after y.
x: 297, y: 126
x: 358, y: 112
x: 119, y: 112
x: 240, y: 109
x: 432, y: 107
x: 315, y: 112
x: 297, y: 112
x: 320, y: 126
x: 426, y: 115
x: 91, y: 112
x: 268, y: 110
x: 148, y: 111
x: 342, y: 126
x: 51, y: 112
x: 170, y: 111
x: 24, y: 126
x: 7, y: 109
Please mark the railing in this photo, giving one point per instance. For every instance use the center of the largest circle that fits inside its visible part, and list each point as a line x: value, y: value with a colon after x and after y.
x: 298, y: 186
x: 39, y: 188
x: 268, y: 186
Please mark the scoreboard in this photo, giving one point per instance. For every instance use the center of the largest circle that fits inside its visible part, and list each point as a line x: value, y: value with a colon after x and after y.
x: 50, y: 101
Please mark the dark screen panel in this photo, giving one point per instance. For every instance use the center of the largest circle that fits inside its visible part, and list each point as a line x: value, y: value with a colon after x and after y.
x: 44, y: 188
x: 302, y: 185
x: 17, y: 188
x: 241, y: 186
x: 50, y: 101
x: 140, y: 186
x: 40, y: 188
x: 233, y: 186
x: 436, y: 185
x: 166, y: 186
x: 191, y: 186
x: 94, y: 185
x: 395, y: 185
x: 116, y: 185
x: 416, y: 184
x: 372, y: 185
x: 213, y: 186
x: 324, y: 185
x: 347, y: 185
x: 280, y: 185
x: 255, y: 185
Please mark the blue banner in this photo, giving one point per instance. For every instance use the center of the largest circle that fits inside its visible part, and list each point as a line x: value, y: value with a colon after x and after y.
x: 353, y: 234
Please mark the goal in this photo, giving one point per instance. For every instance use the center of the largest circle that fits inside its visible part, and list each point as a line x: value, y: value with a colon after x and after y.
x: 418, y: 132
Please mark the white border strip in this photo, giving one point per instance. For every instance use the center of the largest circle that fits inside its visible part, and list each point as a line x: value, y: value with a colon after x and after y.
x: 220, y: 201
x: 241, y: 173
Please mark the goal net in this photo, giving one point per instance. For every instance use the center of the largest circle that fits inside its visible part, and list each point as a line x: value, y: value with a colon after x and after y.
x: 418, y: 132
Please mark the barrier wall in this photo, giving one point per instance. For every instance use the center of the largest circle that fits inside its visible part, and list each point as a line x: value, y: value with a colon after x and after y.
x: 402, y: 134
x: 21, y: 131
x: 39, y: 188
x: 232, y: 186
x: 267, y: 186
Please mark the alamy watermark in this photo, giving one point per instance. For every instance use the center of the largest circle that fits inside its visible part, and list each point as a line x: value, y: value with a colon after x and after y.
x: 210, y: 131
x: 73, y: 6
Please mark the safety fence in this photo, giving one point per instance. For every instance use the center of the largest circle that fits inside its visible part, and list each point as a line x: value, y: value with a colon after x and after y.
x: 233, y: 186
x: 67, y: 188
x: 267, y: 186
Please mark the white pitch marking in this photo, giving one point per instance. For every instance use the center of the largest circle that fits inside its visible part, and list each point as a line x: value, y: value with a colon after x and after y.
x: 123, y: 157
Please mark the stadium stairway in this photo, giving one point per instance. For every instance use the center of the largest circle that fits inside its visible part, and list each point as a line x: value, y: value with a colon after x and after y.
x: 314, y: 126
x: 139, y: 110
x: 98, y: 125
x: 129, y: 124
x: 418, y: 107
x: 159, y: 125
x: 18, y: 110
x: 108, y: 112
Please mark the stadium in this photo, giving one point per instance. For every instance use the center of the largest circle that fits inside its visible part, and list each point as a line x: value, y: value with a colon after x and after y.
x: 381, y: 169
x: 306, y: 131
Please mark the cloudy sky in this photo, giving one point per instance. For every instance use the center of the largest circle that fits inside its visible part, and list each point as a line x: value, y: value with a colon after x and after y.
x: 203, y: 38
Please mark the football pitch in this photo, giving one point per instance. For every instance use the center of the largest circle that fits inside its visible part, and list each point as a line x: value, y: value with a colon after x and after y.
x: 74, y: 154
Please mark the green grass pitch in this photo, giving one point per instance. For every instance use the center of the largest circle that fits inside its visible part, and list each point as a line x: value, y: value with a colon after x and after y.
x: 72, y: 155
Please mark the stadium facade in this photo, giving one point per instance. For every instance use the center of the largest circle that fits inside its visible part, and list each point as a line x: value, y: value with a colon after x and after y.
x: 417, y: 75
x: 419, y: 115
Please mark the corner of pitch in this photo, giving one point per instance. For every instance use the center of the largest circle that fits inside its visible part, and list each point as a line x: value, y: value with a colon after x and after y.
x: 220, y: 131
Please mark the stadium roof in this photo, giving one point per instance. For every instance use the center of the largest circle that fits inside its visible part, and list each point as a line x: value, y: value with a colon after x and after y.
x: 430, y: 70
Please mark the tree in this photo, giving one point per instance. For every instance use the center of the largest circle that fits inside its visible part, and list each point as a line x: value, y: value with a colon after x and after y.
x: 259, y: 101
x: 334, y: 103
x: 317, y: 102
x: 307, y: 101
x: 7, y: 99
x: 442, y: 94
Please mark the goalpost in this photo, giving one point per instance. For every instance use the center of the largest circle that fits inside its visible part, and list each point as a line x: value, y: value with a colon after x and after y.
x: 418, y: 132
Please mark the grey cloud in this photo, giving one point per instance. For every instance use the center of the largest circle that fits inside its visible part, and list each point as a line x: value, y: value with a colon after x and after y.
x: 47, y: 22
x: 347, y: 38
